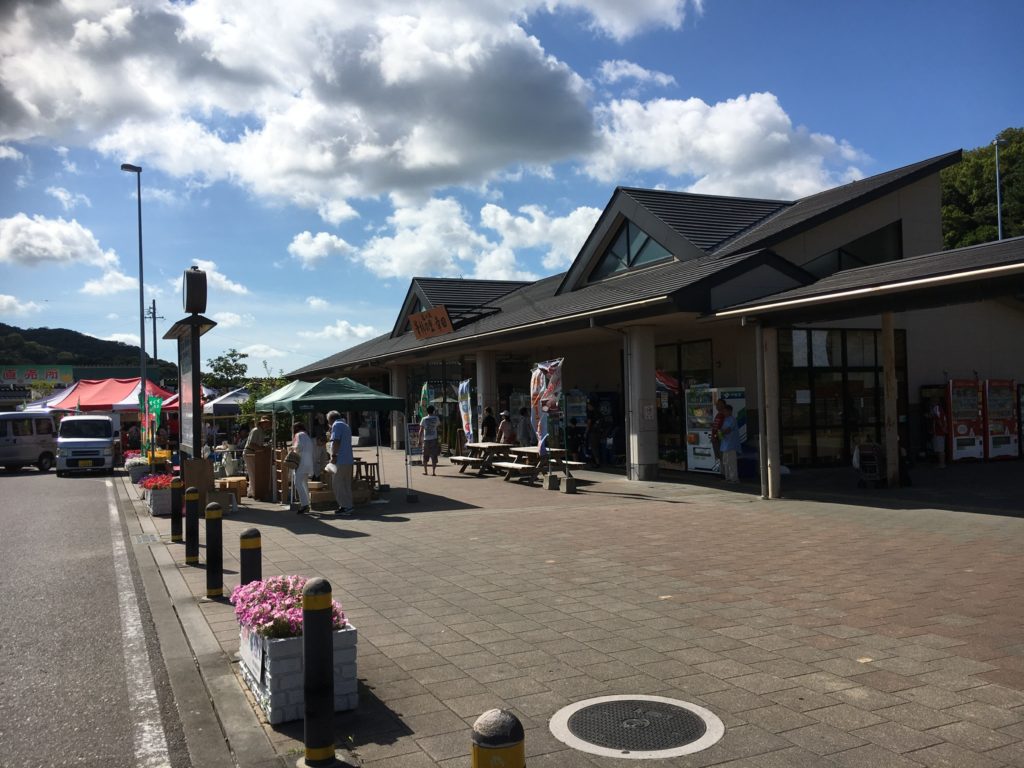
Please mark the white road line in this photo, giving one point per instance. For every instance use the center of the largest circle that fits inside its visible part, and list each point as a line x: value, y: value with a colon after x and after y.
x: 150, y: 742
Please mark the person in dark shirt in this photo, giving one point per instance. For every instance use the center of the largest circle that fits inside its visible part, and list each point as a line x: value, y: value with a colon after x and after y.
x: 488, y: 427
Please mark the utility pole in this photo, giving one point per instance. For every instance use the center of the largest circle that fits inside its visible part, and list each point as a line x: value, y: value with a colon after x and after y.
x: 151, y: 312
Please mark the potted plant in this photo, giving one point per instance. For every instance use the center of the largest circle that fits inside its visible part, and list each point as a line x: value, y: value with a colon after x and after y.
x: 137, y: 466
x: 269, y: 614
x: 158, y: 493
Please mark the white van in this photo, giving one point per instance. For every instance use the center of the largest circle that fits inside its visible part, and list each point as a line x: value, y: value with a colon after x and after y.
x: 28, y: 437
x: 86, y: 443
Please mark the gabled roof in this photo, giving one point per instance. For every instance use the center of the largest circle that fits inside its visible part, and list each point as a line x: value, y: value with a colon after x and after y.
x: 705, y: 220
x: 812, y: 211
x: 998, y: 265
x: 465, y: 300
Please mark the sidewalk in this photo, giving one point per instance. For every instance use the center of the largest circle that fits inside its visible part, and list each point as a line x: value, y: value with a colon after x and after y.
x: 821, y: 633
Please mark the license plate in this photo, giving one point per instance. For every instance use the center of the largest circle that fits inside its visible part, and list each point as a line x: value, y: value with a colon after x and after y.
x: 85, y: 462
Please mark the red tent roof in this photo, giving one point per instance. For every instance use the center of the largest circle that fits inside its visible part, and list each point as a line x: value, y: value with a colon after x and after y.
x: 107, y: 395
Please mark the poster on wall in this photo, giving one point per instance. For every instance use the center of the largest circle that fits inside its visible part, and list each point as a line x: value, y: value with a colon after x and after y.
x: 466, y: 410
x: 545, y: 396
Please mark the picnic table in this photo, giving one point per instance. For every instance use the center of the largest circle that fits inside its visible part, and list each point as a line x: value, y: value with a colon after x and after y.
x: 528, y: 463
x: 481, y: 456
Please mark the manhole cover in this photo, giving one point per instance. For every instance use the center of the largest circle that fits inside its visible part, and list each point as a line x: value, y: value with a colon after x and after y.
x: 638, y: 727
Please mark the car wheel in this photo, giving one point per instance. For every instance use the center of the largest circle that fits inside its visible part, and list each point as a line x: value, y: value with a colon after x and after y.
x: 45, y: 463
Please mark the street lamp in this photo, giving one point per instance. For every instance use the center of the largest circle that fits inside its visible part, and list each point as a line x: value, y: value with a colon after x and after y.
x: 144, y: 406
x: 999, y: 193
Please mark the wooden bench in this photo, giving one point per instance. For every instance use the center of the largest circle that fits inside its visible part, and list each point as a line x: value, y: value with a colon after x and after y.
x: 466, y: 461
x: 559, y: 464
x: 520, y: 470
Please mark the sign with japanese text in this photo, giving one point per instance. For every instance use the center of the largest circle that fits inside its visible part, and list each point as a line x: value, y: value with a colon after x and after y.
x: 433, y: 322
x: 27, y: 375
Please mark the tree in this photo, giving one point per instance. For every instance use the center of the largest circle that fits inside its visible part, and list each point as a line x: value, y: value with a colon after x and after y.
x: 227, y: 371
x: 969, y: 193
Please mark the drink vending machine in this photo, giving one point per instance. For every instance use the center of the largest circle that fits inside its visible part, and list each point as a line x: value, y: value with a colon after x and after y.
x: 966, y: 424
x: 700, y: 415
x: 1000, y: 411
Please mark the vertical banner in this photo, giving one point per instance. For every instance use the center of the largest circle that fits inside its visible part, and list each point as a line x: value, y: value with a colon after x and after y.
x: 466, y: 410
x: 545, y: 395
x: 421, y: 408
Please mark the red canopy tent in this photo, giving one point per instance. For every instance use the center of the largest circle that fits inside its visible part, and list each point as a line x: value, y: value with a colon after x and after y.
x: 106, y: 395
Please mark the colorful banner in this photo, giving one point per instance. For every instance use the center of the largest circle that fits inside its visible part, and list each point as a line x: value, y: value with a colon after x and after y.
x: 421, y: 408
x: 466, y: 410
x: 27, y: 375
x: 545, y: 395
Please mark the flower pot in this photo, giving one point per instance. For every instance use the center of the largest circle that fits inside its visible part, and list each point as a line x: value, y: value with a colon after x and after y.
x: 138, y: 471
x: 159, y: 501
x: 273, y: 670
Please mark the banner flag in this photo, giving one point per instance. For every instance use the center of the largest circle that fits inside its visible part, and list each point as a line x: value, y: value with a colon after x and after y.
x: 466, y: 410
x: 421, y: 408
x: 545, y: 396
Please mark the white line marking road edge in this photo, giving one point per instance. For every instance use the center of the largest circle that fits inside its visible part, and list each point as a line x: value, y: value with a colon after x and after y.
x: 150, y: 741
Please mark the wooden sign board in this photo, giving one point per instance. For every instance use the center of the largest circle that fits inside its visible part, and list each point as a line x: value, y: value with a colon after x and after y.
x: 433, y: 322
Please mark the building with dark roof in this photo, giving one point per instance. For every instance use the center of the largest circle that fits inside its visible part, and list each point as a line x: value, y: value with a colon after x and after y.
x: 836, y: 313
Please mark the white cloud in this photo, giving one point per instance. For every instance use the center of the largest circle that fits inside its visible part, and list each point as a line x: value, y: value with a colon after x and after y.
x: 68, y: 200
x: 9, y: 153
x: 113, y: 316
x: 743, y: 146
x: 310, y: 249
x: 125, y: 338
x: 262, y: 351
x: 112, y: 281
x: 39, y: 241
x: 232, y: 319
x: 315, y: 302
x: 68, y: 165
x: 11, y: 305
x: 624, y: 20
x: 619, y: 69
x: 215, y: 278
x: 560, y: 237
x: 343, y: 331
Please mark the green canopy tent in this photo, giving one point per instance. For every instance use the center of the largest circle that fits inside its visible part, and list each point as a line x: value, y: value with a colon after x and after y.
x: 278, y: 401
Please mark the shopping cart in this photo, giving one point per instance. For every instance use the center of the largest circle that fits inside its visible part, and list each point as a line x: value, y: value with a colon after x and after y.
x: 869, y: 460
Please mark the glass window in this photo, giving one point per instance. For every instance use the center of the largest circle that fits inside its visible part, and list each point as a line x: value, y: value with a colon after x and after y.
x: 798, y: 348
x: 826, y: 349
x: 632, y: 247
x: 697, y: 363
x: 3, y: 429
x: 45, y: 426
x: 650, y: 253
x: 860, y: 349
x: 21, y: 427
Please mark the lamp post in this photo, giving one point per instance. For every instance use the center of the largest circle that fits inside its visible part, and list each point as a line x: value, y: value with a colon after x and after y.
x: 999, y: 194
x: 144, y: 406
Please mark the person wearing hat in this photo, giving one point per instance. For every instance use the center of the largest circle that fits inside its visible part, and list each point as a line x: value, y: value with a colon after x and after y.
x: 257, y: 439
x: 506, y: 432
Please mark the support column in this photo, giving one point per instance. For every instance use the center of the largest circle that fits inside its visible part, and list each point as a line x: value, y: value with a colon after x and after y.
x: 762, y: 439
x: 399, y: 375
x: 641, y: 410
x: 772, y: 455
x: 889, y: 394
x: 486, y: 386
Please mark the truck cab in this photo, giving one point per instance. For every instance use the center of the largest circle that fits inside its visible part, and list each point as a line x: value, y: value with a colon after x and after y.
x: 86, y: 443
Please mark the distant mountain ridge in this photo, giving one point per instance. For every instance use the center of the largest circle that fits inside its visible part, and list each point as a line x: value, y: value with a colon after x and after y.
x: 61, y: 346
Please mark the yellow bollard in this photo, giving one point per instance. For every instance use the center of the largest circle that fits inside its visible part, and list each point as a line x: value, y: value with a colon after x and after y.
x: 498, y: 740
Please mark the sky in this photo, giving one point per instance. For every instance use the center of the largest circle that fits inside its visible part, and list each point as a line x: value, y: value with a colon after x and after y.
x: 314, y: 157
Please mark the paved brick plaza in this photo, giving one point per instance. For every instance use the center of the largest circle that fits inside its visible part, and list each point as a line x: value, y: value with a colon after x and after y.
x: 820, y: 633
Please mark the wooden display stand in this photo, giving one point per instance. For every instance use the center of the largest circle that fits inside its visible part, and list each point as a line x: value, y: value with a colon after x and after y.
x: 262, y: 475
x: 198, y: 474
x: 282, y: 475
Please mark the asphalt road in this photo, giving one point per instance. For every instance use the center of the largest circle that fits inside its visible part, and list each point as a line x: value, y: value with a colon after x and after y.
x: 77, y: 684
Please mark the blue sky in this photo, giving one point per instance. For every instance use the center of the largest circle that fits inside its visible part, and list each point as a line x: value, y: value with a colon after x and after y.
x: 314, y: 160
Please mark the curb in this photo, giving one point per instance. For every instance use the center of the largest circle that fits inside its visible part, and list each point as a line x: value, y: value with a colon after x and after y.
x: 220, y: 726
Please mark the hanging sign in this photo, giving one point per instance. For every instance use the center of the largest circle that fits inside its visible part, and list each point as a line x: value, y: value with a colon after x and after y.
x: 545, y: 395
x: 433, y: 322
x: 466, y: 410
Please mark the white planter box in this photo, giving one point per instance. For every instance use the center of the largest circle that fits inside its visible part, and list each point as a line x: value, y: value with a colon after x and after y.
x: 159, y: 501
x: 136, y: 473
x: 273, y: 671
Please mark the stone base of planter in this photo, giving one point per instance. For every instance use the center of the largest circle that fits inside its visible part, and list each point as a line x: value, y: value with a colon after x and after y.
x: 136, y: 473
x: 273, y: 671
x: 159, y: 501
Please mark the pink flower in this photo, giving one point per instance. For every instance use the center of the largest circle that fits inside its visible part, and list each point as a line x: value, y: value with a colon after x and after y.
x: 273, y: 607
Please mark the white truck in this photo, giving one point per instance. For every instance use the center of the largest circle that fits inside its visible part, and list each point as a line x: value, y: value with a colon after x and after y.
x: 87, y: 443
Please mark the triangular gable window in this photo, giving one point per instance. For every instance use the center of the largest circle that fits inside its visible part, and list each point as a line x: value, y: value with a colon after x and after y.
x: 631, y: 247
x: 415, y: 309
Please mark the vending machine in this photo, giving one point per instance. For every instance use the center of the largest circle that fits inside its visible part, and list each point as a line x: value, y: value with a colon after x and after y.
x: 966, y: 425
x: 700, y: 415
x: 1000, y: 411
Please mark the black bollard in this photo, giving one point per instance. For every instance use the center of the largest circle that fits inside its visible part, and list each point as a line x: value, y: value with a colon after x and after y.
x: 192, y: 526
x: 214, y: 551
x: 318, y: 672
x: 250, y: 555
x: 176, y: 509
x: 498, y: 740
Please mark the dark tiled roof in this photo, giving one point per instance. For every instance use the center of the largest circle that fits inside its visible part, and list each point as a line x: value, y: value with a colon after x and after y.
x: 538, y: 302
x: 704, y: 220
x: 464, y: 293
x: 914, y: 268
x: 811, y: 211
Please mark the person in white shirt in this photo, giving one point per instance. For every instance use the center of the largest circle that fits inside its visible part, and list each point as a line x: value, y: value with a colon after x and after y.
x: 431, y: 445
x: 302, y: 444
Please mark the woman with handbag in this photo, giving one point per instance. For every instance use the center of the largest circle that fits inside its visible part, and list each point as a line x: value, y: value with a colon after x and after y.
x: 302, y: 444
